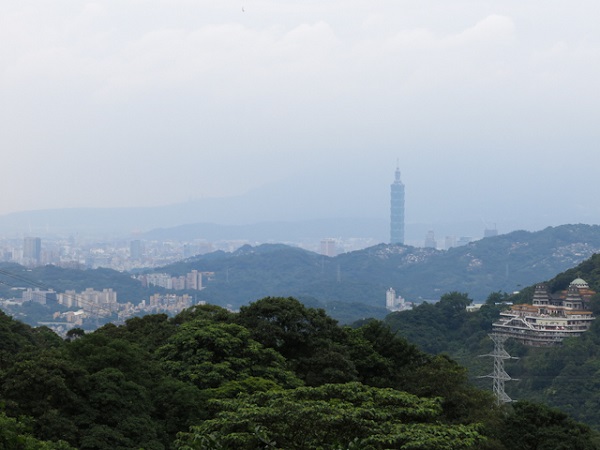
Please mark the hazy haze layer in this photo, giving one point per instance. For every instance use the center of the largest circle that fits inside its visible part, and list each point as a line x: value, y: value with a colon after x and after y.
x: 490, y: 107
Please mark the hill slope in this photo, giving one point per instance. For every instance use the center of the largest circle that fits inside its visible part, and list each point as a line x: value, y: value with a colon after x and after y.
x: 501, y: 263
x: 566, y: 377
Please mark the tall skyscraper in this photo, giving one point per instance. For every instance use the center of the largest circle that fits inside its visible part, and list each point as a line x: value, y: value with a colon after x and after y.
x: 397, y: 210
x: 136, y: 249
x: 32, y: 250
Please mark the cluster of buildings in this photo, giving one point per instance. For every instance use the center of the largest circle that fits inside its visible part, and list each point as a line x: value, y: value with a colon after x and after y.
x: 449, y: 241
x: 190, y: 281
x: 94, y: 305
x: 126, y: 255
x: 395, y: 303
x: 551, y: 317
x: 119, y: 254
x: 397, y: 222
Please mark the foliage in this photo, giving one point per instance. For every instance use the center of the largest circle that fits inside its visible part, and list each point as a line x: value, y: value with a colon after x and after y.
x: 276, y: 375
x: 350, y: 286
x: 62, y: 279
x: 209, y: 354
x: 532, y: 426
x: 16, y: 435
x: 331, y: 416
x: 312, y: 343
x: 502, y: 263
x: 434, y: 327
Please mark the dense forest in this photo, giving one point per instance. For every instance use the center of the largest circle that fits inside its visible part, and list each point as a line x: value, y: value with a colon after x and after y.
x: 275, y: 375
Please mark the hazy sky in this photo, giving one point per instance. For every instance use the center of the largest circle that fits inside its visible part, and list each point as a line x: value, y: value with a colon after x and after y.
x: 491, y: 107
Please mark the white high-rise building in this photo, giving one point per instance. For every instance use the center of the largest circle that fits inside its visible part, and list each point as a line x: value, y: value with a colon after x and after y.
x: 393, y: 303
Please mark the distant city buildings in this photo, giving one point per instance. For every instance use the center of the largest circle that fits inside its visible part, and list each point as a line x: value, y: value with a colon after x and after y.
x: 452, y: 241
x: 393, y: 303
x: 136, y: 249
x: 328, y: 247
x: 397, y: 210
x: 169, y: 303
x: 90, y: 300
x: 190, y: 281
x: 463, y: 240
x: 197, y: 248
x: 430, y: 241
x: 32, y: 251
x: 37, y: 295
x: 490, y: 232
x: 94, y: 305
x: 449, y: 242
x: 193, y: 280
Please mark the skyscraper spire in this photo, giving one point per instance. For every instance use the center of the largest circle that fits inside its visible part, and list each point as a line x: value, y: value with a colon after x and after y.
x: 397, y: 209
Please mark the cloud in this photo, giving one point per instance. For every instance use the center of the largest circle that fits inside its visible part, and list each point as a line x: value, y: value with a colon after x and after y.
x: 285, y: 85
x: 492, y: 30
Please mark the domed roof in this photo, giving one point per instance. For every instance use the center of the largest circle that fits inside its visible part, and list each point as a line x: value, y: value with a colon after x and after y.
x: 580, y: 283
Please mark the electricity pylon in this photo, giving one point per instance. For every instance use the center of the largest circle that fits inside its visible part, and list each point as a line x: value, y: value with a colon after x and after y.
x: 499, y: 375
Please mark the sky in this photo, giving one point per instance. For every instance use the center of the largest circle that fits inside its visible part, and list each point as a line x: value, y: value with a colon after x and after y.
x: 490, y: 108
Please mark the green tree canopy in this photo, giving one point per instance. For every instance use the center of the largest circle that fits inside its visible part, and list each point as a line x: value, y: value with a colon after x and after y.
x: 331, y: 416
x: 209, y: 354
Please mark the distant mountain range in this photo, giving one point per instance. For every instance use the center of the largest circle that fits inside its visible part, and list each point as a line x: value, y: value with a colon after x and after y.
x: 260, y: 216
x: 199, y: 220
x: 353, y: 285
x: 501, y: 263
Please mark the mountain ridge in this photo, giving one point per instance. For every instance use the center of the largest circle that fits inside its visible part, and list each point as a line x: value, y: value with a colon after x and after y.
x: 500, y: 263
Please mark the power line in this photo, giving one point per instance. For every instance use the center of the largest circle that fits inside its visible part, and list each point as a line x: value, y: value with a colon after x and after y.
x: 99, y: 311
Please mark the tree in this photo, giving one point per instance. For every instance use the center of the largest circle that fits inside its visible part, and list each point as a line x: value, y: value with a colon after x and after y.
x: 381, y: 357
x: 209, y: 354
x: 532, y: 426
x: 331, y: 416
x: 16, y: 435
x: 48, y: 388
x: 315, y: 347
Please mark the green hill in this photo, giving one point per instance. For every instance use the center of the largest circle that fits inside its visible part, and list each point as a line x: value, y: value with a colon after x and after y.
x: 501, y: 263
x: 566, y: 377
x: 350, y: 286
x: 275, y: 375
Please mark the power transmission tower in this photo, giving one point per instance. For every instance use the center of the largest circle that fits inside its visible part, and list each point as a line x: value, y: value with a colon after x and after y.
x: 499, y: 375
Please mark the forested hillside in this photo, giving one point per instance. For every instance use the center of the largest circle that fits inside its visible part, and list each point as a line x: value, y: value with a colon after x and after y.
x: 566, y: 377
x: 501, y: 263
x: 14, y: 278
x: 350, y: 286
x: 275, y: 375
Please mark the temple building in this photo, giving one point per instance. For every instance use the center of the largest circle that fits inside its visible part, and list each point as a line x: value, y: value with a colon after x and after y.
x: 551, y: 317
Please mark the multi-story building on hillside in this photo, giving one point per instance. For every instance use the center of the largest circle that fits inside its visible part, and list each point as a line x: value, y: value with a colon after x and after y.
x: 550, y: 318
x: 396, y: 303
x: 39, y: 296
x: 90, y: 300
x: 192, y: 280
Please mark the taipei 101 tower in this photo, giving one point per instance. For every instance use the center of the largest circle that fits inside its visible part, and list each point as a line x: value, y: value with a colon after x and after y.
x: 397, y: 210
